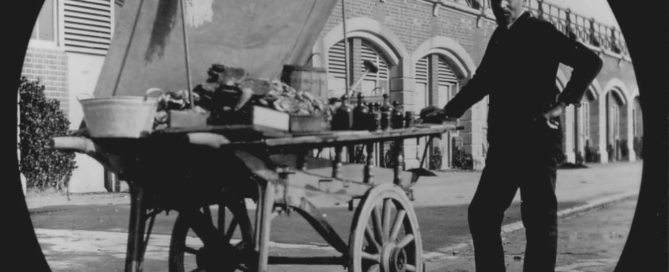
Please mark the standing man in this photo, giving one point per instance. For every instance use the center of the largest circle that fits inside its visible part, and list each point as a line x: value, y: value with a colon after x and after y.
x: 518, y: 72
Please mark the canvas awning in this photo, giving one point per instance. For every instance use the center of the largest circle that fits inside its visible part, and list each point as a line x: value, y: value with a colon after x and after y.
x: 260, y: 36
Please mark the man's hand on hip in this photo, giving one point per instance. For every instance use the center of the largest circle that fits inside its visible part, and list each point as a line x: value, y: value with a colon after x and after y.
x: 554, y: 112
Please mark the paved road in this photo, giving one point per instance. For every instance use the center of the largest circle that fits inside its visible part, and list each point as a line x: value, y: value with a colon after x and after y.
x: 589, y: 242
x: 69, y: 248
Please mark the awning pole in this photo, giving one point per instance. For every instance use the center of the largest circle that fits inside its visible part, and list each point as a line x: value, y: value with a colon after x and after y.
x: 191, y: 100
x: 346, y: 53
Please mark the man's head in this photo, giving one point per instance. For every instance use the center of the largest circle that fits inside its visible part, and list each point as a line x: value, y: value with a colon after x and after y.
x: 506, y: 11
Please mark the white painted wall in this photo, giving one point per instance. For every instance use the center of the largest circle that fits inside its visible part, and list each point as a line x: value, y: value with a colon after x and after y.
x: 83, y: 73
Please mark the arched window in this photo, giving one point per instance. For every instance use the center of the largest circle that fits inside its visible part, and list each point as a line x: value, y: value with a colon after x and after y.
x: 337, y: 69
x: 427, y: 93
x: 374, y: 84
x: 435, y: 84
x: 585, y: 107
x: 421, y: 92
x: 448, y: 82
x: 637, y: 127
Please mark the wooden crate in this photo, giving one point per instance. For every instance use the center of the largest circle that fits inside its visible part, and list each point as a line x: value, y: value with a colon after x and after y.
x: 308, y: 123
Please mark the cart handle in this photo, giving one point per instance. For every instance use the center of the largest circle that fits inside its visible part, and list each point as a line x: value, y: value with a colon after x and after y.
x: 69, y: 143
x: 207, y: 139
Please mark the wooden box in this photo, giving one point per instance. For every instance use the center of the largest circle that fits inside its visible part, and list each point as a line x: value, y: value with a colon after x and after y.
x: 311, y: 79
x: 308, y: 123
x: 269, y: 118
x: 180, y: 119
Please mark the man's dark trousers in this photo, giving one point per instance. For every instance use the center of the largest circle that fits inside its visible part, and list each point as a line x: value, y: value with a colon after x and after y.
x: 531, y: 167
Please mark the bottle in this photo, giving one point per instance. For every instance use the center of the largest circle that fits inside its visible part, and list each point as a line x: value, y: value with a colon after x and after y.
x: 374, y: 117
x: 386, y: 112
x: 397, y: 118
x: 360, y: 115
x: 343, y: 118
x: 409, y: 121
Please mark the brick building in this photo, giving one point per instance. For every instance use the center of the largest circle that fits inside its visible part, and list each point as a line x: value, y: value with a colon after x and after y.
x: 426, y: 51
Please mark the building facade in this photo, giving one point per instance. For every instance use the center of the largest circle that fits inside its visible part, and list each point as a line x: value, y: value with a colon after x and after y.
x: 426, y: 50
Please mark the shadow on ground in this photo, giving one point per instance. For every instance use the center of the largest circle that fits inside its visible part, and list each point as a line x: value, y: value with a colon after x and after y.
x: 440, y: 226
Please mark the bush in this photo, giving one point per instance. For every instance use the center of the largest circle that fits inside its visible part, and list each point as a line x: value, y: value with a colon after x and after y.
x: 461, y: 159
x: 435, y: 159
x: 591, y: 154
x: 624, y: 150
x: 42, y: 119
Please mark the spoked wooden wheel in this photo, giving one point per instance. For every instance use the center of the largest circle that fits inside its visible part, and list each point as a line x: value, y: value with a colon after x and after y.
x: 202, y: 242
x: 384, y: 234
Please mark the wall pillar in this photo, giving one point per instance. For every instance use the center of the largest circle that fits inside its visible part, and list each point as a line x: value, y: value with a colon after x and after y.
x: 83, y: 73
x: 473, y: 120
x: 629, y: 107
x: 603, y: 120
x: 401, y: 90
x: 569, y: 134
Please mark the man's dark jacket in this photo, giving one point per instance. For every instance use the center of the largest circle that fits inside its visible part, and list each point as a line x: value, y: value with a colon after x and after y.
x: 519, y: 72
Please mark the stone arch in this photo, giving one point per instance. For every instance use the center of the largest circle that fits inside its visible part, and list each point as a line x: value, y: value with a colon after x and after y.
x: 464, y: 68
x: 617, y: 86
x: 456, y: 55
x: 621, y: 121
x: 574, y: 136
x: 371, y: 30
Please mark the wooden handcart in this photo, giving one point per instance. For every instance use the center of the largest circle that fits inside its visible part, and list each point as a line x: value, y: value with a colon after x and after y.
x: 217, y: 169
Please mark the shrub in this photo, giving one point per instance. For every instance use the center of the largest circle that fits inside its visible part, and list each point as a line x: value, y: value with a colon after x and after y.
x: 461, y: 159
x: 591, y: 154
x: 435, y: 159
x: 624, y: 150
x: 42, y: 119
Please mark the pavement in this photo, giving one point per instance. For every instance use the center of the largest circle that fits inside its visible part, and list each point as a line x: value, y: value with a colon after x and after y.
x: 593, y: 188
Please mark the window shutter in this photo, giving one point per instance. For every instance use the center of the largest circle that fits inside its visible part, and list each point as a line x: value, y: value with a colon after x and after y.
x: 422, y: 71
x: 446, y: 74
x: 86, y: 25
x: 370, y: 54
x: 337, y: 60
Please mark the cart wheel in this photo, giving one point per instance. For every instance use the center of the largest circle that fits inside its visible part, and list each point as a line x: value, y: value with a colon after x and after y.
x: 384, y: 233
x: 224, y: 250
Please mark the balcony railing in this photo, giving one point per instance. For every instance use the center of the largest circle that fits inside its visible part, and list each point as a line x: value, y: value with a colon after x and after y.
x: 581, y: 28
x: 585, y: 30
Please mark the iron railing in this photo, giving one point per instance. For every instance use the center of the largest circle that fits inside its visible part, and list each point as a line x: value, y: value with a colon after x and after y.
x: 585, y: 30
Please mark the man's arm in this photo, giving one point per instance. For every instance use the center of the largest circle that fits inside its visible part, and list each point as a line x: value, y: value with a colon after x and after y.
x: 476, y: 88
x: 586, y: 66
x: 585, y: 63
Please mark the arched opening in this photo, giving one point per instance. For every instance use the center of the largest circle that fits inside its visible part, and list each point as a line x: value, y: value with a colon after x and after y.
x: 360, y: 49
x: 373, y: 85
x: 589, y: 114
x: 616, y: 126
x: 579, y: 128
x: 436, y: 83
x: 637, y: 128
